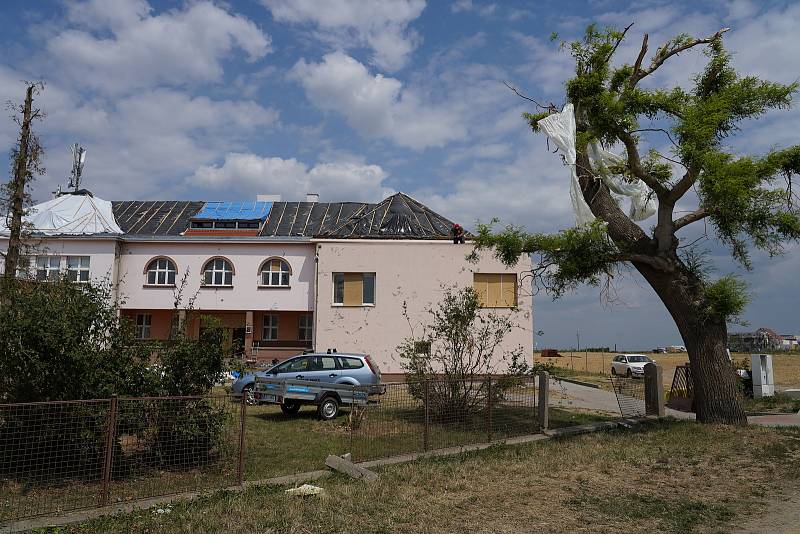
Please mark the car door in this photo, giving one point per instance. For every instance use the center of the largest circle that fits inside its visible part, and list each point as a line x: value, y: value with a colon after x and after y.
x: 620, y: 365
x: 323, y: 368
x: 295, y: 368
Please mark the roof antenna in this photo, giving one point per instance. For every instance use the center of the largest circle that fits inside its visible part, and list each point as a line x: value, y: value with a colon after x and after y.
x: 78, y: 159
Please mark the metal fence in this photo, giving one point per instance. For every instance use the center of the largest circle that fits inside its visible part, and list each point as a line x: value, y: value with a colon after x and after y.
x: 71, y: 455
x: 435, y: 414
x: 630, y: 394
x: 62, y: 456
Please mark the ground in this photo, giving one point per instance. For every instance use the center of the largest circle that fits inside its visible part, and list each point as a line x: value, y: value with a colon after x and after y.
x: 667, y: 477
x: 596, y: 366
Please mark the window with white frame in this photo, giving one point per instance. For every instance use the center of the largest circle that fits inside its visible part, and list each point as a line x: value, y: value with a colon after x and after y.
x: 275, y: 272
x: 353, y: 289
x: 48, y: 267
x: 270, y: 329
x: 143, y: 322
x: 218, y: 272
x: 305, y: 330
x: 161, y: 272
x: 78, y: 268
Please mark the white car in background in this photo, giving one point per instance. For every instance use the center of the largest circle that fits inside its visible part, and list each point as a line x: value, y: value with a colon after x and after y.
x: 630, y: 365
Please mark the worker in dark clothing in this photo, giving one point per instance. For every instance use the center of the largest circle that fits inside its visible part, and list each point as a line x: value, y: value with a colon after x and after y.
x: 458, y: 234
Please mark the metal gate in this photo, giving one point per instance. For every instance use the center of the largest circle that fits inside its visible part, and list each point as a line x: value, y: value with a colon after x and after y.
x: 630, y: 396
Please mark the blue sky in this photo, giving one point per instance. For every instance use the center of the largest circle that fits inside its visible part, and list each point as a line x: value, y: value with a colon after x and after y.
x: 358, y: 99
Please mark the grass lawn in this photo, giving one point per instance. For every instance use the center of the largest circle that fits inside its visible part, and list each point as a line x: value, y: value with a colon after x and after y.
x: 594, y: 366
x: 667, y: 477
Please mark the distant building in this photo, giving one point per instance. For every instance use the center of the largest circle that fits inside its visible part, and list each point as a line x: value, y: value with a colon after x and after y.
x: 790, y: 342
x: 760, y: 340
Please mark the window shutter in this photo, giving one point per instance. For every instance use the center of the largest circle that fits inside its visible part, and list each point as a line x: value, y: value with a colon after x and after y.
x: 495, y: 299
x: 480, y: 284
x: 509, y: 290
x: 353, y: 289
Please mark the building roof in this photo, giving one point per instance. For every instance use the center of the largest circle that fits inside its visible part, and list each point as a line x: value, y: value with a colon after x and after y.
x: 155, y: 217
x: 396, y: 217
x: 70, y: 214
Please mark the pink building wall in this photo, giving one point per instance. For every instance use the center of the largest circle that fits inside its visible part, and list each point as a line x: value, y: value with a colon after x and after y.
x: 246, y: 259
x: 405, y: 271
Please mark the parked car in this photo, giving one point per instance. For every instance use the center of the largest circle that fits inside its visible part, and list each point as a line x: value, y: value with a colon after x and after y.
x: 335, y: 368
x: 659, y: 350
x: 630, y: 365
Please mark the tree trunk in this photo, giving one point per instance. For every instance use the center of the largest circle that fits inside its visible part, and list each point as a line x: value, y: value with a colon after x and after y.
x: 17, y: 188
x: 714, y: 379
x: 716, y: 393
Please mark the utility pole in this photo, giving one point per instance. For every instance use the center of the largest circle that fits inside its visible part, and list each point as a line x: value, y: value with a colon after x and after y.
x: 26, y: 159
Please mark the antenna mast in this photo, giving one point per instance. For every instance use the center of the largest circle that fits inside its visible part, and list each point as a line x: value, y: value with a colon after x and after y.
x: 78, y: 159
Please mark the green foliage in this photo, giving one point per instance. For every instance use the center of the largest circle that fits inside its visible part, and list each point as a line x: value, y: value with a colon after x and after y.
x: 725, y: 299
x: 566, y: 259
x: 190, y: 366
x: 455, y: 350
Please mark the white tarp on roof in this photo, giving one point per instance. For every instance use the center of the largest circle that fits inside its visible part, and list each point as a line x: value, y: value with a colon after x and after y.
x: 560, y: 128
x: 70, y: 215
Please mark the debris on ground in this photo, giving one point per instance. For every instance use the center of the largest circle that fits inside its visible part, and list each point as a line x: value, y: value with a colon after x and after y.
x: 305, y: 490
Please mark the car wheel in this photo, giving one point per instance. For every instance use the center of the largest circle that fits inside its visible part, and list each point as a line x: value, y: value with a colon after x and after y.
x: 614, y: 371
x: 328, y: 408
x: 290, y: 408
x: 629, y: 374
x: 249, y: 397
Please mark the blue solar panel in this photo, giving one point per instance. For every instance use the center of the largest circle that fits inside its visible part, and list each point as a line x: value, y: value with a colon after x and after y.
x: 243, y: 211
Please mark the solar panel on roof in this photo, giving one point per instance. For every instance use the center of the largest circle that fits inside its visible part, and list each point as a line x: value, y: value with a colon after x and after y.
x: 247, y: 211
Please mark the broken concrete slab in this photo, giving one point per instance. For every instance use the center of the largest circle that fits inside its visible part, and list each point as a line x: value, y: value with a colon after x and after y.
x: 347, y: 467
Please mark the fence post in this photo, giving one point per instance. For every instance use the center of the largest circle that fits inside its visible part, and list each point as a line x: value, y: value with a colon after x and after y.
x: 427, y: 419
x: 544, y: 400
x: 489, y: 404
x: 240, y: 462
x: 109, y: 452
x: 654, y: 390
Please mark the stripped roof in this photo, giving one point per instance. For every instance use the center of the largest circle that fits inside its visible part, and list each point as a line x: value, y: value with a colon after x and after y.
x: 155, y: 217
x: 396, y: 217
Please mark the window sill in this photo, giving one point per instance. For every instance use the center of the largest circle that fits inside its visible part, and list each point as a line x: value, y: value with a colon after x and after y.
x: 334, y: 305
x: 212, y: 286
x: 160, y: 286
x: 273, y: 287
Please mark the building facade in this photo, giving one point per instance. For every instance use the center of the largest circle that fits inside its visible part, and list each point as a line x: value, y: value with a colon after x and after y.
x: 284, y: 277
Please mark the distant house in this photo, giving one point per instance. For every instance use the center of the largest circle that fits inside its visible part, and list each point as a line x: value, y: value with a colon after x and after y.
x: 790, y: 342
x: 280, y: 277
x: 760, y: 340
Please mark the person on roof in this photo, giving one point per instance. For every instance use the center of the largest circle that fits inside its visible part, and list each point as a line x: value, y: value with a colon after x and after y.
x: 458, y: 234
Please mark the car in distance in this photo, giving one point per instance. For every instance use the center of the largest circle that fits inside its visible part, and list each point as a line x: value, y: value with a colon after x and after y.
x: 334, y: 368
x: 630, y: 365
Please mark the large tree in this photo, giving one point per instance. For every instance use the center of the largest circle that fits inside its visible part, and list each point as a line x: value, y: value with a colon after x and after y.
x: 746, y: 199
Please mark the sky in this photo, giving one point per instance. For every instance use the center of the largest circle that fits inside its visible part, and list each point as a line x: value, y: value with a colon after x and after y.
x: 357, y: 99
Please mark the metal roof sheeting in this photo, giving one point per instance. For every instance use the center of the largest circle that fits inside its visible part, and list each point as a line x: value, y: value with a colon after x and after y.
x: 155, y: 217
x: 234, y: 211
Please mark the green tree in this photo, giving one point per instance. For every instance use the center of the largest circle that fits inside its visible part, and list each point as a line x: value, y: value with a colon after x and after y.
x: 740, y: 196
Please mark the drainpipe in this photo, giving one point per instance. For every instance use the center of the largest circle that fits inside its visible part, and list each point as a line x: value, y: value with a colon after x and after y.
x: 316, y: 297
x: 115, y: 273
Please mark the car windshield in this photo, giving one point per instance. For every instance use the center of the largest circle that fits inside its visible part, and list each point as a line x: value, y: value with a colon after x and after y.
x: 638, y: 359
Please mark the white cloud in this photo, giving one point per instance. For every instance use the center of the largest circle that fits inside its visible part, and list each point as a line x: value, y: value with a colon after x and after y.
x: 376, y: 106
x: 250, y: 174
x: 484, y: 10
x: 120, y: 46
x: 381, y: 25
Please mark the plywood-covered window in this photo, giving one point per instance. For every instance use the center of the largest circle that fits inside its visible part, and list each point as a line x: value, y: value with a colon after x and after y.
x: 353, y: 289
x: 496, y: 290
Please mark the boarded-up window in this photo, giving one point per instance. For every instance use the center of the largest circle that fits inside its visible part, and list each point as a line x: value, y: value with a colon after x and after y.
x: 496, y: 290
x: 353, y: 289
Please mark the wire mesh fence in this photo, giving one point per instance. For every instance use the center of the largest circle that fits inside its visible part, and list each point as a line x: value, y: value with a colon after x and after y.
x: 630, y: 394
x: 62, y: 456
x: 434, y: 414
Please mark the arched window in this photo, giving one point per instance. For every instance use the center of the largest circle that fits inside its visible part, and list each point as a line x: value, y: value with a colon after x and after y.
x: 218, y: 272
x: 275, y: 272
x: 161, y: 272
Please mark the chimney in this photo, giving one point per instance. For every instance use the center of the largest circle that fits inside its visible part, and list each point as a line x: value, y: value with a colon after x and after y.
x: 268, y: 198
x: 312, y: 197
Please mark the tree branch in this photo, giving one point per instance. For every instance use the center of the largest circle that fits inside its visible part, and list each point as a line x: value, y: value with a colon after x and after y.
x: 550, y: 107
x: 635, y: 164
x: 663, y: 54
x: 654, y: 261
x: 684, y: 184
x: 689, y: 218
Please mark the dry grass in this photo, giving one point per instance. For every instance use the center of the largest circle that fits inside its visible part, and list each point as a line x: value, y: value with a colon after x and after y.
x: 674, y: 477
x: 588, y: 364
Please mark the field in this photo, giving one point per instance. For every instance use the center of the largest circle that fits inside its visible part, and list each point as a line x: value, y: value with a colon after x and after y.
x: 669, y: 477
x: 596, y: 365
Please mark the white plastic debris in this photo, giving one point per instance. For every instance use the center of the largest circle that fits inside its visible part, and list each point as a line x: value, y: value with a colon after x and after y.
x: 305, y: 489
x: 70, y: 215
x: 560, y: 128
